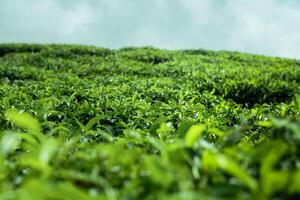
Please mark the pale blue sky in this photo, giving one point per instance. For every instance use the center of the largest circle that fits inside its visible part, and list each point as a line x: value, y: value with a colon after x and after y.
x: 270, y: 27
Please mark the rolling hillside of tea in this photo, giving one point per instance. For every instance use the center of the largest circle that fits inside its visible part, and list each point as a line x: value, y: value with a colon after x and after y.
x: 81, y: 122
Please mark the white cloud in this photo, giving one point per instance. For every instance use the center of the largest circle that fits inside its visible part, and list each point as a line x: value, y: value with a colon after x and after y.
x: 75, y: 20
x: 265, y: 27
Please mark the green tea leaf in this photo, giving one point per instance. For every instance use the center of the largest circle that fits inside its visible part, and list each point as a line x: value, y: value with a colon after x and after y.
x: 193, y: 134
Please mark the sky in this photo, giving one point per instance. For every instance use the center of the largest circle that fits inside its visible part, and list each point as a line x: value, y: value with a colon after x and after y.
x: 268, y: 27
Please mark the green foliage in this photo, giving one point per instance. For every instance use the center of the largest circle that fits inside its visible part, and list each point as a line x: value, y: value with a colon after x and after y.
x: 81, y: 122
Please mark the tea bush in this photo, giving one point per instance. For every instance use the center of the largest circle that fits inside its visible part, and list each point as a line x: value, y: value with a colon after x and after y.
x: 81, y: 122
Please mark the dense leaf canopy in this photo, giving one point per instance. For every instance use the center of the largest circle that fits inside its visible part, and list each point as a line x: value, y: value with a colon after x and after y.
x: 81, y: 122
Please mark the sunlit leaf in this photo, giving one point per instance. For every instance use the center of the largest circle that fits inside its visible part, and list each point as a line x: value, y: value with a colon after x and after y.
x: 193, y: 134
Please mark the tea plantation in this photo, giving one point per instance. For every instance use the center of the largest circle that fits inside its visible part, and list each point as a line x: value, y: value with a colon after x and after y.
x: 81, y: 122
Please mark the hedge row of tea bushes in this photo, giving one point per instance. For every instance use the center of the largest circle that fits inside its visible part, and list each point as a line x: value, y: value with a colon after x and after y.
x: 80, y: 122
